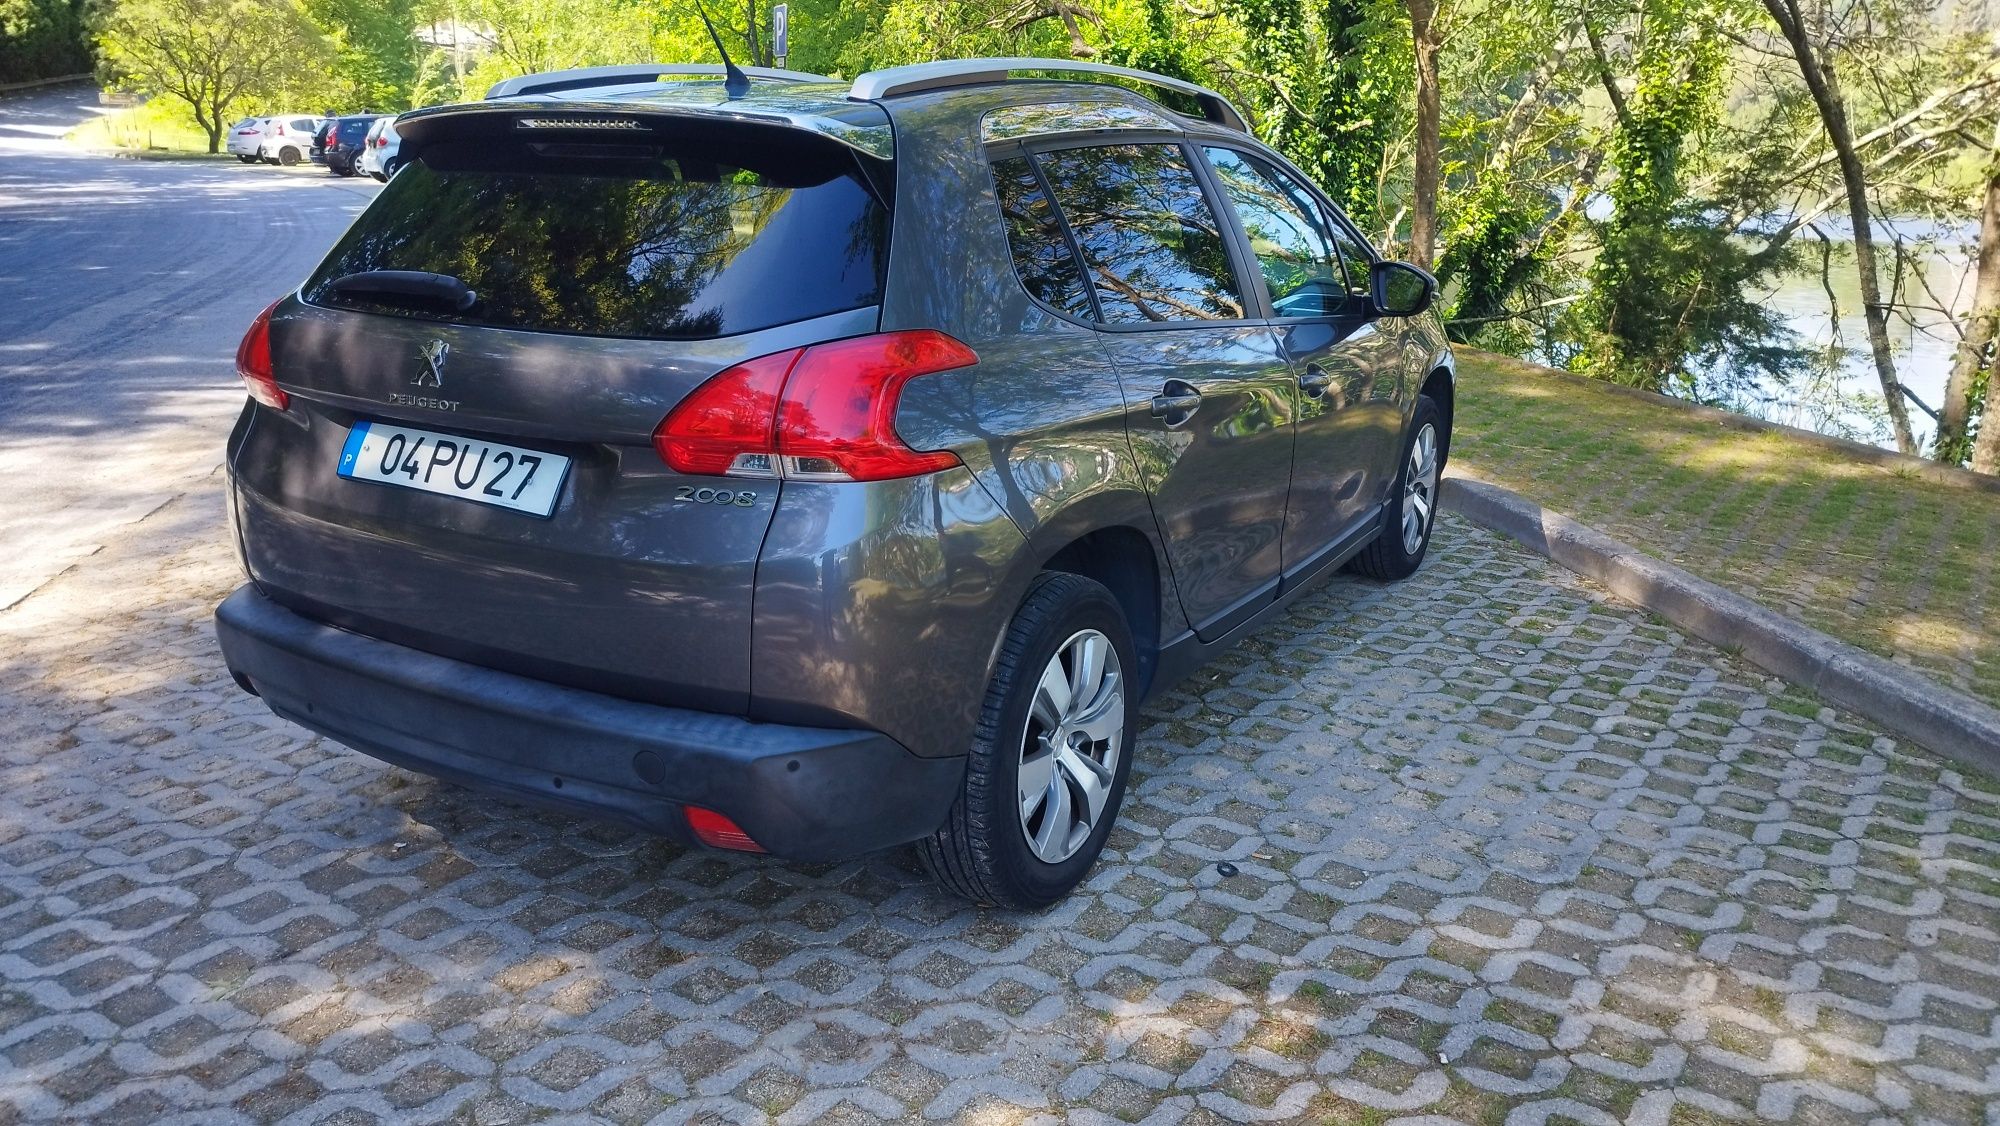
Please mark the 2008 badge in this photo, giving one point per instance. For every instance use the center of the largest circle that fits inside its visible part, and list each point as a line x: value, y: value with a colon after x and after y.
x: 741, y: 498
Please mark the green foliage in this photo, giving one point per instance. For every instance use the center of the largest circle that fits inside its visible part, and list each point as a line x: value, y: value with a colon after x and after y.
x: 42, y: 39
x: 216, y: 56
x: 1331, y: 78
x: 375, y: 54
x: 537, y: 35
x: 1669, y: 297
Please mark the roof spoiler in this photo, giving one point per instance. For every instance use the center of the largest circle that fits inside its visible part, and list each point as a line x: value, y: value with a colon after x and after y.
x: 918, y: 77
x: 583, y: 78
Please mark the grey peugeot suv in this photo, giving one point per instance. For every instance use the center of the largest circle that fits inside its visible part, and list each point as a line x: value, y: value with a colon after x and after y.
x: 810, y: 467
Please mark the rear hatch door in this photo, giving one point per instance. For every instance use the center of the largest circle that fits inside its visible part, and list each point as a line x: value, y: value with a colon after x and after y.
x: 596, y: 276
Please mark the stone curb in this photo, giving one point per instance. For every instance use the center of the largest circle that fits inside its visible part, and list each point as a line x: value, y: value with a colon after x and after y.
x: 1907, y: 703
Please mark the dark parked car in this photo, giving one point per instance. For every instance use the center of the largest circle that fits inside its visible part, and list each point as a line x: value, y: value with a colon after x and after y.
x: 824, y: 467
x: 317, y: 154
x: 344, y: 140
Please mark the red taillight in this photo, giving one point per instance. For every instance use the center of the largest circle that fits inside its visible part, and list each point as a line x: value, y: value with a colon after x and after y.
x: 823, y: 413
x: 253, y: 362
x: 716, y: 831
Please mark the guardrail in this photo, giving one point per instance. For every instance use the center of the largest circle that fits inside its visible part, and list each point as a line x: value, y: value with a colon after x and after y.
x: 58, y: 80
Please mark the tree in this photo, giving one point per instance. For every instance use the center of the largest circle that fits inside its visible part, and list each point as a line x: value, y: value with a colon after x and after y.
x: 211, y: 54
x: 1809, y: 38
x: 529, y: 36
x: 1427, y: 39
x: 375, y: 46
x: 42, y: 39
x: 1669, y: 294
x: 1974, y: 357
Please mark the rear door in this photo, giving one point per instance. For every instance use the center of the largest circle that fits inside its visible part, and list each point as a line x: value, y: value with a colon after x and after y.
x: 1208, y: 388
x: 609, y: 281
x: 1338, y: 354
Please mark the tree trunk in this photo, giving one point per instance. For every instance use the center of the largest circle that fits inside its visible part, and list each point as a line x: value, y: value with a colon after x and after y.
x: 1986, y: 449
x: 1979, y: 323
x: 1825, y: 89
x: 1423, y: 202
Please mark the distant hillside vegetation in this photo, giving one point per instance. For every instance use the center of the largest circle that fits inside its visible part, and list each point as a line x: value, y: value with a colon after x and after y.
x: 42, y: 39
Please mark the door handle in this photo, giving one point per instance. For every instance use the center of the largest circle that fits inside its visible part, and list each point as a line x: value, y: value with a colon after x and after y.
x: 1176, y: 402
x: 1315, y: 381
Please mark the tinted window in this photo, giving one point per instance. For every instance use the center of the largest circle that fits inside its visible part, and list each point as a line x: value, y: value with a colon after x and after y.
x: 1288, y: 234
x: 304, y: 124
x: 623, y: 241
x: 1042, y: 258
x: 1148, y: 236
x: 352, y: 131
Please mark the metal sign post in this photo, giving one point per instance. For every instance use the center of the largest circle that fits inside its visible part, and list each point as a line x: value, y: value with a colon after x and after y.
x: 781, y: 25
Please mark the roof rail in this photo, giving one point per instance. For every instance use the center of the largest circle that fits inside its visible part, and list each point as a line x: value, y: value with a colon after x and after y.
x: 582, y: 78
x: 877, y: 84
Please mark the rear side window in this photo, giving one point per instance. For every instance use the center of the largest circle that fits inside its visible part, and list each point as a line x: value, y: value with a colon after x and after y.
x: 624, y: 240
x: 1042, y: 258
x: 1147, y: 234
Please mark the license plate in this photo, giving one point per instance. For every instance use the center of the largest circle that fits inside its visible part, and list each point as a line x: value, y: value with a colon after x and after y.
x: 487, y: 472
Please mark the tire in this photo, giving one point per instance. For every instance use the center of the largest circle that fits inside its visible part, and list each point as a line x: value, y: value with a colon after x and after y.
x: 1393, y: 555
x: 390, y: 169
x: 287, y: 156
x: 983, y: 851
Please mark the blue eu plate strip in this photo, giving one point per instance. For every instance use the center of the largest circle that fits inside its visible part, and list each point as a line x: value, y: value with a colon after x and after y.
x: 352, y: 449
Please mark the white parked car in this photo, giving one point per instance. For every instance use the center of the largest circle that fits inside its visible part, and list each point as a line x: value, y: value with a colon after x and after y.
x: 379, y: 153
x: 246, y: 139
x: 287, y: 139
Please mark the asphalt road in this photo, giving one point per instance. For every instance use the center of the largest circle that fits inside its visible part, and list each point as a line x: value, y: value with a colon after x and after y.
x: 124, y: 288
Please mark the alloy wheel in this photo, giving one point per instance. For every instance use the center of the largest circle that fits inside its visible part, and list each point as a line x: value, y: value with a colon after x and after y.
x: 1069, y: 752
x: 1420, y: 488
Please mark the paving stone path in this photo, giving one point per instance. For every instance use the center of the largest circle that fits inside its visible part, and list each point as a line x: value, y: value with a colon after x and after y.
x: 1503, y: 851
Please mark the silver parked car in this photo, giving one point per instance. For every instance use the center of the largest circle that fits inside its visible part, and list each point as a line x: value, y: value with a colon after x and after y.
x: 811, y: 467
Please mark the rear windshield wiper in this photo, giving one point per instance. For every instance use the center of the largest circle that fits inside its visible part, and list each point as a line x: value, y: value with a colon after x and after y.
x: 408, y: 287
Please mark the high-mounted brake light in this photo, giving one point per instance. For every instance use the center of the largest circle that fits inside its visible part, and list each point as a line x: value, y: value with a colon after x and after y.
x: 253, y: 362
x: 822, y: 413
x: 716, y: 831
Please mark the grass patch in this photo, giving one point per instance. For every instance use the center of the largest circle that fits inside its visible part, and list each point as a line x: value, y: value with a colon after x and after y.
x: 1879, y: 557
x: 161, y: 125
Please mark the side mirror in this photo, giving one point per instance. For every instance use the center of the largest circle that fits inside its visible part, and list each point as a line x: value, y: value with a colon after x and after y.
x: 1401, y: 290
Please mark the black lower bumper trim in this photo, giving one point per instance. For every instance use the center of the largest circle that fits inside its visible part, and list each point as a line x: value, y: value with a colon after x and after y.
x: 801, y: 792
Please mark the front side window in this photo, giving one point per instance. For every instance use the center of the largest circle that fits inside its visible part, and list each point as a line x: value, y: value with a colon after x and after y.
x: 1042, y: 258
x: 1149, y: 239
x: 1288, y: 234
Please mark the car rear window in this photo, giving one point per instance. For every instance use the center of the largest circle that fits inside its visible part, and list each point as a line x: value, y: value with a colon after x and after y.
x: 625, y: 240
x: 354, y: 130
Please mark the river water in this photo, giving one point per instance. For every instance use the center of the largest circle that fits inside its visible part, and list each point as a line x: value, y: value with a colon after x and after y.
x: 1938, y: 273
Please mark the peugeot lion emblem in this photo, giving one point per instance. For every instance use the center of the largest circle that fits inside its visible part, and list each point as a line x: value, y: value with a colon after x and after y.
x: 434, y: 358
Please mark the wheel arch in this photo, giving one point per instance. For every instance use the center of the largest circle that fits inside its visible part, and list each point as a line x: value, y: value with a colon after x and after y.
x: 1441, y: 387
x: 1126, y: 562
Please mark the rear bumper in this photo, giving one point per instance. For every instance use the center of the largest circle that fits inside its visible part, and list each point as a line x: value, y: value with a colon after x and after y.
x: 802, y: 792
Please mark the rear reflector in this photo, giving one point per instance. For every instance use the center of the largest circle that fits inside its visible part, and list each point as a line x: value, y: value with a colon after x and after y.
x: 822, y: 413
x: 253, y: 362
x: 716, y: 831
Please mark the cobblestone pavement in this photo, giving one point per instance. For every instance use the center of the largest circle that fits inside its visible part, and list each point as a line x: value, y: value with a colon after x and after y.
x: 1501, y: 851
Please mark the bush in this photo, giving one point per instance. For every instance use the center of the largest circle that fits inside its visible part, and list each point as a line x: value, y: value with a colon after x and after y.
x: 42, y: 39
